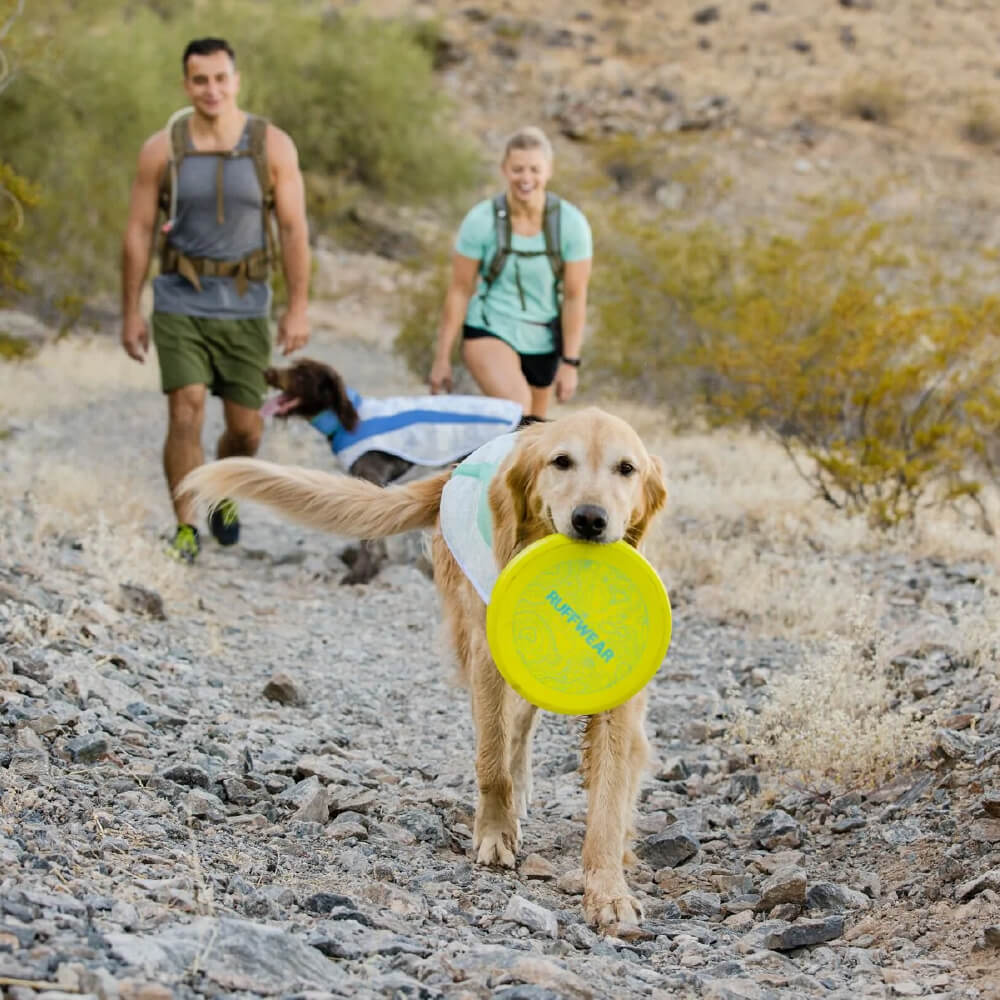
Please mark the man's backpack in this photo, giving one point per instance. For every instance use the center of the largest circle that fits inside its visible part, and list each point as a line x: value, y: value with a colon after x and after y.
x: 553, y: 246
x: 257, y: 265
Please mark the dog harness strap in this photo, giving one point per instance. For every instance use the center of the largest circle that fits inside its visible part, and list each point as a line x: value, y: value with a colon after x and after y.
x: 466, y: 518
x: 484, y: 473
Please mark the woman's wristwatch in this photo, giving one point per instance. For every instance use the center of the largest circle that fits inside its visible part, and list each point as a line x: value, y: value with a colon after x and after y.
x: 575, y: 362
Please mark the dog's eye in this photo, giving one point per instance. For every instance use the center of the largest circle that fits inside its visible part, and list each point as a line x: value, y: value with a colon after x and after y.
x: 562, y: 462
x: 626, y: 468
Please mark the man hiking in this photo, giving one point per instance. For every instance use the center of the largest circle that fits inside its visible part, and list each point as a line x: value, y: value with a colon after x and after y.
x: 216, y: 172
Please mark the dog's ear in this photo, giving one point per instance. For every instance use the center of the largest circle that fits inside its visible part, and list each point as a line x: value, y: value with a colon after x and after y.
x: 654, y: 496
x: 511, y: 496
x: 335, y: 394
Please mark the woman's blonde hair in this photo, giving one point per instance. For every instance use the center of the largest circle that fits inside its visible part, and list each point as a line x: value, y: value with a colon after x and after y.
x: 528, y: 137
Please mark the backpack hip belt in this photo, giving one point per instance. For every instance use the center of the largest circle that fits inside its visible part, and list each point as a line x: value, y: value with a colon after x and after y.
x: 253, y: 267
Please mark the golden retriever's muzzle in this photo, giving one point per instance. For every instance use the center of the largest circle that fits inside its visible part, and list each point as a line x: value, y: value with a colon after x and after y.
x: 589, y: 522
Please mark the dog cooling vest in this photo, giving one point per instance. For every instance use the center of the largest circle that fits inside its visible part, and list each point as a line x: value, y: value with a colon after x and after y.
x: 466, y: 519
x: 424, y: 430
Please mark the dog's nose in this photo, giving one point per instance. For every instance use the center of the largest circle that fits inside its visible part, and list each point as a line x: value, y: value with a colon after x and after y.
x: 589, y: 521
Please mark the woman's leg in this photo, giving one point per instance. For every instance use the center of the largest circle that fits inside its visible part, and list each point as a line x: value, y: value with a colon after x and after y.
x: 496, y: 367
x: 540, y: 400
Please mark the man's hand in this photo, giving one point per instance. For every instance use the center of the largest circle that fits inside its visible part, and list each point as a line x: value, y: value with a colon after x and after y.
x: 293, y: 331
x: 440, y: 377
x: 135, y: 337
x: 566, y: 380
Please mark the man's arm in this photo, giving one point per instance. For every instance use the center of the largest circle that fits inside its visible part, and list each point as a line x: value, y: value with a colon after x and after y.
x: 138, y: 241
x: 290, y: 209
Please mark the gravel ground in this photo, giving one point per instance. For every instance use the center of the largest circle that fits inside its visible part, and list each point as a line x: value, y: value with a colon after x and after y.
x: 246, y: 780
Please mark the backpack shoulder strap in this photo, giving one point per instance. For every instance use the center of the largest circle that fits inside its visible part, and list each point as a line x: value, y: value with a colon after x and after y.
x: 553, y: 235
x: 257, y: 142
x: 502, y: 230
x: 177, y: 136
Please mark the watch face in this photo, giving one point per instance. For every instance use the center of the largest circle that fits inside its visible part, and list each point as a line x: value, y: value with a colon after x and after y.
x: 578, y: 627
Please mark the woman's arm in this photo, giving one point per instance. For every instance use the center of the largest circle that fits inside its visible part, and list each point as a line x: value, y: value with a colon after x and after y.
x: 576, y: 278
x: 464, y: 275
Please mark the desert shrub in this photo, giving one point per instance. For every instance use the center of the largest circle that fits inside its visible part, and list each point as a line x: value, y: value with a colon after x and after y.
x: 873, y: 100
x: 357, y: 95
x: 16, y: 194
x: 420, y: 314
x: 883, y: 402
x: 837, y: 718
x: 981, y: 124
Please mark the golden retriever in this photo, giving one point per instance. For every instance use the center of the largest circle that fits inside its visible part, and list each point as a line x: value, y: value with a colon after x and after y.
x: 586, y: 476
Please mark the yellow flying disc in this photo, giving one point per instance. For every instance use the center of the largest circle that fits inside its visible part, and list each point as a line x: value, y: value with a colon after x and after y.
x: 578, y: 627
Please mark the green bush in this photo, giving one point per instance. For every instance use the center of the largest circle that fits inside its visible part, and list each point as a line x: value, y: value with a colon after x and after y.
x: 883, y: 401
x: 357, y: 96
x: 420, y: 315
x: 16, y: 194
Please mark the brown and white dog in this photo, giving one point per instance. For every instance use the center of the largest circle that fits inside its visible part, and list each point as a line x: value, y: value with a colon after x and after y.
x: 586, y: 476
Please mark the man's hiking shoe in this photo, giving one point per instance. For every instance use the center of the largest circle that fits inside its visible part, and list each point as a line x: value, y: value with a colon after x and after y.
x: 185, y: 545
x: 224, y: 523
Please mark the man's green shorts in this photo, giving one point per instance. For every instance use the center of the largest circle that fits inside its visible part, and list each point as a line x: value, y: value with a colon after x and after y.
x: 227, y: 355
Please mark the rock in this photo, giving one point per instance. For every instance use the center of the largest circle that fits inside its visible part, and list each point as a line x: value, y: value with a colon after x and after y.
x: 832, y: 898
x: 776, y: 829
x: 204, y: 805
x: 425, y: 825
x: 705, y: 15
x: 536, y: 918
x: 504, y: 966
x: 779, y: 935
x: 669, y: 848
x: 283, y: 689
x: 238, y: 955
x: 309, y: 799
x: 535, y: 866
x: 788, y: 885
x: 700, y: 904
x: 572, y: 883
x: 327, y: 902
x: 325, y: 768
x: 189, y: 775
x: 142, y: 601
x: 974, y: 886
x: 991, y: 936
x: 673, y: 769
x: 88, y: 748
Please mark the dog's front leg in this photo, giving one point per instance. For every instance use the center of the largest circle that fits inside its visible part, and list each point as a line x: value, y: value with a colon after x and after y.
x: 497, y: 831
x: 525, y: 719
x: 614, y: 754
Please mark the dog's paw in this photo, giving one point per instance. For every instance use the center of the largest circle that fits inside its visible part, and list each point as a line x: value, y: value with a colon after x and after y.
x: 607, y: 901
x: 496, y: 850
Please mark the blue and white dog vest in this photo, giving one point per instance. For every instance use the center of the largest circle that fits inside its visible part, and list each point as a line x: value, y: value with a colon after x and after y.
x: 466, y: 518
x: 424, y: 430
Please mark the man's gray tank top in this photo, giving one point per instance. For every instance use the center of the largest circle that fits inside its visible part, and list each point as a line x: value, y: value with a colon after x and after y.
x: 198, y: 233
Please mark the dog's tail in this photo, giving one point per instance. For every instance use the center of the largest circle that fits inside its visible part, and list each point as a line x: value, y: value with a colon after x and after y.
x: 339, y: 504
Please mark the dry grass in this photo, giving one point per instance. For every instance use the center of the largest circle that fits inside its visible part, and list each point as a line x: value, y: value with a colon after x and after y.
x: 834, y: 719
x: 57, y: 508
x: 68, y: 373
x: 880, y: 101
x: 981, y: 125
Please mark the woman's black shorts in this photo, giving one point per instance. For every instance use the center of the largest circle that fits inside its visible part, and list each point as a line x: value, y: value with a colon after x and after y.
x: 538, y: 369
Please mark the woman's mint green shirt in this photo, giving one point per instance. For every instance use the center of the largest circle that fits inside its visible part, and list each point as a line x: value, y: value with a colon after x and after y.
x: 523, y: 328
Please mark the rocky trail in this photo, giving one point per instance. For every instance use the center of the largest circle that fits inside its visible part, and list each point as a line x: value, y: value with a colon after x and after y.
x: 243, y: 779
